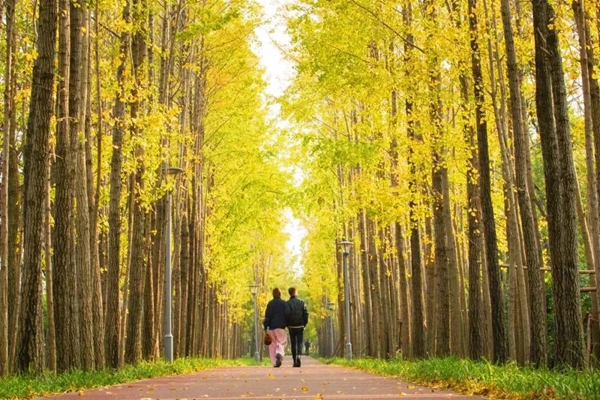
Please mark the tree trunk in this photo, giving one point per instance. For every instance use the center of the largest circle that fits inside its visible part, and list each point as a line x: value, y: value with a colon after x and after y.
x: 15, y: 248
x: 536, y: 292
x: 112, y: 320
x: 442, y: 284
x: 29, y: 349
x: 67, y: 332
x: 377, y: 337
x: 137, y: 271
x: 429, y: 288
x: 77, y: 112
x: 4, y: 190
x: 489, y: 225
x: 457, y: 326
x: 591, y: 99
x: 51, y: 325
x: 398, y: 240
x: 363, y: 231
x: 94, y: 192
x: 476, y: 317
x: 518, y: 334
x: 559, y: 175
x: 149, y: 339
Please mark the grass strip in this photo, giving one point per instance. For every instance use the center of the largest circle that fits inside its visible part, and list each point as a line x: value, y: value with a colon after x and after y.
x: 27, y: 386
x: 485, y: 379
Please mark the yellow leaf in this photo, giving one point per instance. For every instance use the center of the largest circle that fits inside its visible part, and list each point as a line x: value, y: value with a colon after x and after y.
x: 270, y: 376
x: 319, y: 396
x: 81, y: 393
x: 304, y: 389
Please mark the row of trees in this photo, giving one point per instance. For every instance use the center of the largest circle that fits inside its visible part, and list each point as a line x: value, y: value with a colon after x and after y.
x: 457, y: 145
x: 101, y: 100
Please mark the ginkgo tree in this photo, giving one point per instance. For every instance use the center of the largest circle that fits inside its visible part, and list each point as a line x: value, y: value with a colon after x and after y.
x: 395, y: 122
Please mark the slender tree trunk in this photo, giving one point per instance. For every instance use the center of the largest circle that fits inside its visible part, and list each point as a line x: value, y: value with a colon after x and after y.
x: 77, y: 102
x: 138, y: 270
x: 457, y: 326
x: 363, y: 230
x: 537, y: 306
x: 94, y: 196
x: 429, y: 288
x: 404, y: 319
x: 489, y: 225
x: 29, y: 350
x: 51, y: 328
x: 15, y: 248
x: 112, y: 320
x: 519, y: 338
x: 67, y: 338
x: 442, y: 283
x: 559, y: 174
x: 591, y: 98
x: 4, y: 190
x: 149, y: 342
x: 476, y: 317
x: 476, y: 347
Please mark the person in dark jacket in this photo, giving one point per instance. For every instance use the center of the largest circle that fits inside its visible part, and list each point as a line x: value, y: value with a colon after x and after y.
x: 275, y: 323
x: 297, y: 318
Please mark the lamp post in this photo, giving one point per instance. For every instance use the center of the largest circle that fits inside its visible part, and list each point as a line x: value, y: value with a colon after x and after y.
x: 330, y: 308
x: 254, y: 291
x: 168, y: 290
x: 345, y: 245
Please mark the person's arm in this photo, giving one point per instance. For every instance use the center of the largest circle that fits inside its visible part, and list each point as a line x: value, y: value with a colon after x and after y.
x: 268, y: 317
x: 304, y: 314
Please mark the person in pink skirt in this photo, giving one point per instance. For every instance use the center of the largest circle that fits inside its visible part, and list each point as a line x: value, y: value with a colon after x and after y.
x: 274, y: 323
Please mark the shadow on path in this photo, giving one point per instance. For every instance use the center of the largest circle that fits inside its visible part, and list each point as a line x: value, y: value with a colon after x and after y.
x: 313, y: 380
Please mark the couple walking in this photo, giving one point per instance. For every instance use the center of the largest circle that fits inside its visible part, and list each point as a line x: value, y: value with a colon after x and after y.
x: 281, y: 314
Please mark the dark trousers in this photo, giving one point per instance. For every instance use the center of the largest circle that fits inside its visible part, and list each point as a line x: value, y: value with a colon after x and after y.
x: 296, y: 341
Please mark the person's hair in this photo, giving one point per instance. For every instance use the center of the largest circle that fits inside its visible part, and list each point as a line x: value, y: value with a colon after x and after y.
x: 292, y: 291
x: 277, y: 293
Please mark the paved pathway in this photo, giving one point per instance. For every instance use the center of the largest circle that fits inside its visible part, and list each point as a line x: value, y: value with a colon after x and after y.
x: 313, y: 380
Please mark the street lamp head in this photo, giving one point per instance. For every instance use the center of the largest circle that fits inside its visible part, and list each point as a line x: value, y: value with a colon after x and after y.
x: 254, y: 289
x: 345, y: 245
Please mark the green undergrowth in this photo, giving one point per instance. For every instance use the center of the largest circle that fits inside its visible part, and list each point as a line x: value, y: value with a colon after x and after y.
x: 485, y: 379
x: 28, y: 386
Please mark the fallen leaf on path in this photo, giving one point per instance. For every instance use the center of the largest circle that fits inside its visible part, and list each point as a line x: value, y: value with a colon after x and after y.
x: 319, y: 396
x: 411, y: 386
x: 270, y: 376
x: 81, y: 393
x: 402, y: 394
x: 304, y: 389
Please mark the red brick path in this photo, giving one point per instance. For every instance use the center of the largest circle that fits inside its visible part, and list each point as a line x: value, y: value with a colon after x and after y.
x: 312, y: 381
